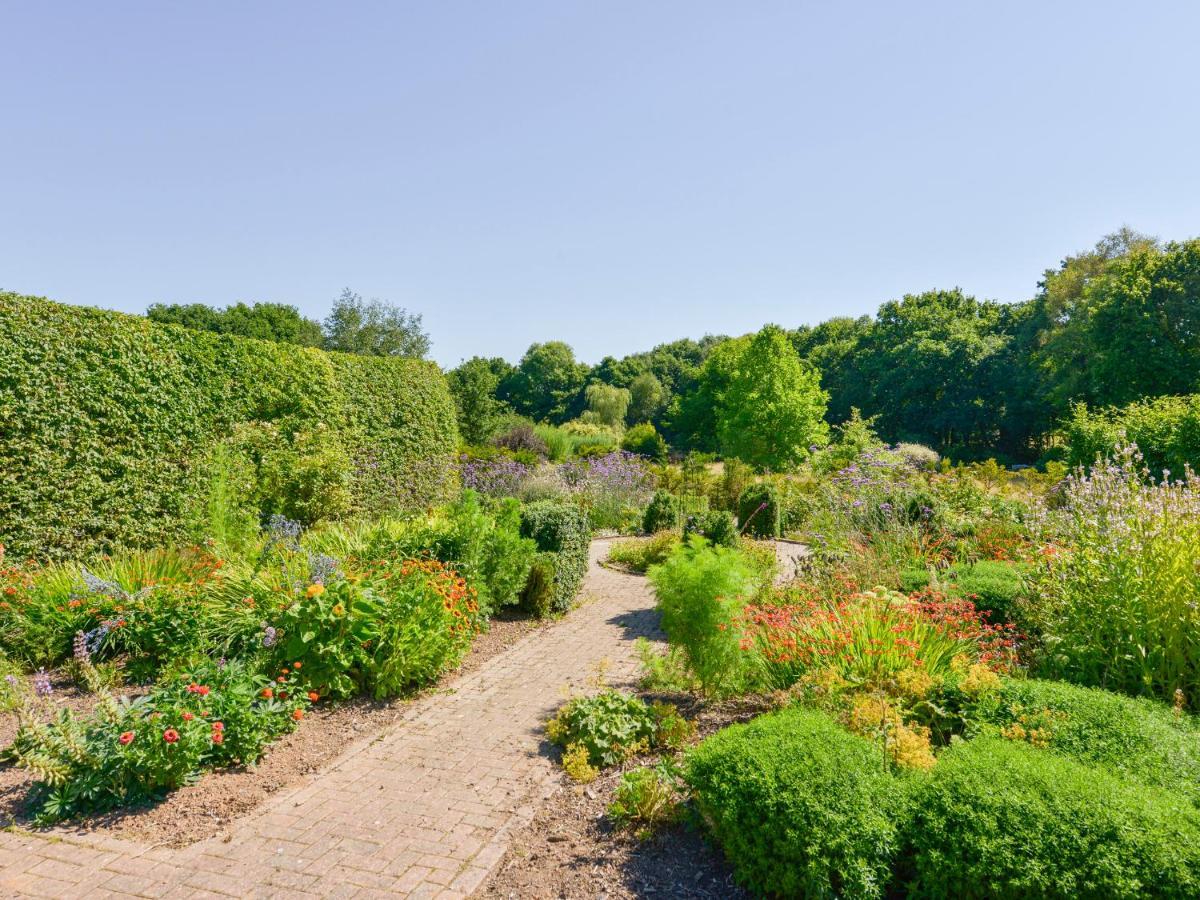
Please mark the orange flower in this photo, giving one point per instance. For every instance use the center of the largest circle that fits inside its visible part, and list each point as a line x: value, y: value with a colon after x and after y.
x: 281, y: 680
x: 126, y: 738
x: 187, y: 717
x: 297, y: 714
x: 313, y: 696
x: 268, y: 693
x: 315, y: 590
x: 295, y: 665
x: 170, y: 735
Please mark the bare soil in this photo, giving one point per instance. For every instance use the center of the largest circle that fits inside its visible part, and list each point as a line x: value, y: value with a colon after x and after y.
x: 570, y: 849
x: 208, y: 807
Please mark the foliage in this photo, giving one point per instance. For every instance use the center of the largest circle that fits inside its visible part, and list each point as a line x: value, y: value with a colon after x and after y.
x: 114, y: 416
x: 614, y: 726
x: 646, y: 397
x: 1119, y: 588
x: 265, y: 321
x: 646, y: 797
x: 640, y: 553
x: 664, y: 672
x: 1001, y: 818
x: 473, y: 386
x: 772, y: 410
x: 563, y: 532
x: 801, y: 807
x: 522, y: 437
x: 606, y: 405
x: 546, y: 384
x: 131, y: 751
x: 644, y: 440
x: 996, y: 587
x: 1133, y: 737
x: 717, y: 527
x: 374, y: 328
x: 758, y: 511
x: 701, y: 592
x: 1165, y: 429
x: 662, y: 513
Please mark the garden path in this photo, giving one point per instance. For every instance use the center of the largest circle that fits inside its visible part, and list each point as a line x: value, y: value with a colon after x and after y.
x: 425, y: 809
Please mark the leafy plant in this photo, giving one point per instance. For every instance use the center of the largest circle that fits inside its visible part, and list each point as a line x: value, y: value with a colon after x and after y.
x: 639, y: 554
x: 612, y: 726
x: 662, y: 514
x: 646, y: 798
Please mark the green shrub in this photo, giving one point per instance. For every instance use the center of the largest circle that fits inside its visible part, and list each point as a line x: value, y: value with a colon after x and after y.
x: 640, y: 553
x: 646, y: 797
x: 801, y: 807
x: 1137, y: 738
x: 558, y: 443
x: 644, y: 440
x: 996, y: 587
x: 1003, y: 819
x: 537, y: 597
x: 613, y: 726
x: 717, y: 527
x: 562, y: 530
x: 1165, y: 429
x: 701, y: 593
x: 111, y: 421
x: 759, y: 513
x: 662, y: 514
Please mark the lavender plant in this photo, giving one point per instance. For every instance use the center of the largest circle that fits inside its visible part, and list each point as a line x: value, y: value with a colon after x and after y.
x: 609, y: 487
x: 1118, y: 591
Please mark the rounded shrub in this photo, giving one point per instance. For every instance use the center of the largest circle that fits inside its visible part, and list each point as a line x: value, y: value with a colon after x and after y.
x: 1137, y: 738
x: 759, y: 512
x: 662, y: 514
x: 1003, y: 819
x: 562, y: 534
x: 801, y: 807
x: 644, y: 440
x: 717, y: 527
x: 995, y: 586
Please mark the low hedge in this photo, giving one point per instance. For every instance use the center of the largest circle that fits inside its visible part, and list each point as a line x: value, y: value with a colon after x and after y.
x: 1137, y: 738
x: 801, y: 807
x: 562, y: 534
x: 111, y: 421
x: 1004, y: 819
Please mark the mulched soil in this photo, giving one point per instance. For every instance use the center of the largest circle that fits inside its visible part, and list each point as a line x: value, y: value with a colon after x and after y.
x: 570, y: 849
x: 208, y: 807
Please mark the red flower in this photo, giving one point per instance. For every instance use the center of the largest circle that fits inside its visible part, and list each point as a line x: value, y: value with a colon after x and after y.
x: 202, y: 690
x: 126, y: 738
x: 218, y: 726
x: 170, y: 735
x: 187, y: 717
x: 217, y: 737
x: 297, y: 714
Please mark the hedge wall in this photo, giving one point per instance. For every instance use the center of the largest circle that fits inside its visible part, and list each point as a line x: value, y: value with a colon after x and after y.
x: 107, y: 422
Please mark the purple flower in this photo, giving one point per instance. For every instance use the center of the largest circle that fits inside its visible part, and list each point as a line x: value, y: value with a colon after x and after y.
x: 269, y: 634
x: 41, y: 683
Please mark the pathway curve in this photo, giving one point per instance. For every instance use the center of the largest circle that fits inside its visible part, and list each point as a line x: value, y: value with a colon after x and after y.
x: 425, y: 809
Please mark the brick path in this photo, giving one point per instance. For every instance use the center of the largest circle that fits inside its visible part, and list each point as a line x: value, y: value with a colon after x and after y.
x: 423, y: 810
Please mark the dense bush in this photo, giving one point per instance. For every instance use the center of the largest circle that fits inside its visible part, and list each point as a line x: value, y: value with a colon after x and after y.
x: 996, y: 587
x: 1137, y: 738
x: 759, y: 512
x: 644, y: 440
x: 640, y: 553
x: 522, y: 437
x: 801, y: 807
x: 1003, y: 819
x: 111, y: 421
x: 662, y: 513
x: 717, y: 527
x: 1118, y: 595
x: 613, y: 726
x: 1165, y: 429
x: 701, y: 593
x: 562, y: 534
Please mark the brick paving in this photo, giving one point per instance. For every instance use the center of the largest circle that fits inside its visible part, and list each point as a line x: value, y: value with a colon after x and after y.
x: 425, y: 809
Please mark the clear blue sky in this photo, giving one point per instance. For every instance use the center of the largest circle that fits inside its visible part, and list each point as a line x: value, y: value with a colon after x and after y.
x: 613, y: 174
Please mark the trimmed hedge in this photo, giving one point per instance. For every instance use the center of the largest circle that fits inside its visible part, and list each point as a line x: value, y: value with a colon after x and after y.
x: 562, y: 534
x: 717, y: 526
x: 110, y: 421
x: 1137, y: 738
x: 759, y: 513
x: 801, y: 807
x: 1004, y: 819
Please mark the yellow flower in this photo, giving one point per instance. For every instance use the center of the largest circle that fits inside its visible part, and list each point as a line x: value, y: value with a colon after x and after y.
x: 339, y: 610
x: 315, y: 590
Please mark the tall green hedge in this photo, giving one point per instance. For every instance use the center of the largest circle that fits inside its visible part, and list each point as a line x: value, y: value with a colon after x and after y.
x: 107, y: 422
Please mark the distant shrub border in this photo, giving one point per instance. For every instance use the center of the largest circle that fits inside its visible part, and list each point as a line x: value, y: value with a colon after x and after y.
x: 110, y: 421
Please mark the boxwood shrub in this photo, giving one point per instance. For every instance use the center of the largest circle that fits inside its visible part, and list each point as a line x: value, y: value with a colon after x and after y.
x: 662, y: 514
x: 758, y: 511
x: 1137, y: 738
x: 562, y: 534
x: 1000, y: 818
x: 110, y: 422
x: 801, y: 807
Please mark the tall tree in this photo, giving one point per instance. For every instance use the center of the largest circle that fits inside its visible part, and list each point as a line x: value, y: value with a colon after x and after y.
x: 773, y: 408
x: 266, y: 321
x: 374, y: 328
x: 473, y: 385
x: 646, y: 397
x: 547, y: 384
x: 606, y: 405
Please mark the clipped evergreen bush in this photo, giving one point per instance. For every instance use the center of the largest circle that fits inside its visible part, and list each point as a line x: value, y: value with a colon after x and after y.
x: 562, y: 534
x: 717, y: 527
x: 1000, y: 818
x: 111, y: 424
x: 1137, y: 738
x: 801, y: 807
x: 759, y: 513
x: 662, y: 514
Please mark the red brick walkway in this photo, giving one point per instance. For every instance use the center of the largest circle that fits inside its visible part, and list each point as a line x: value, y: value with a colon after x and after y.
x: 423, y: 810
